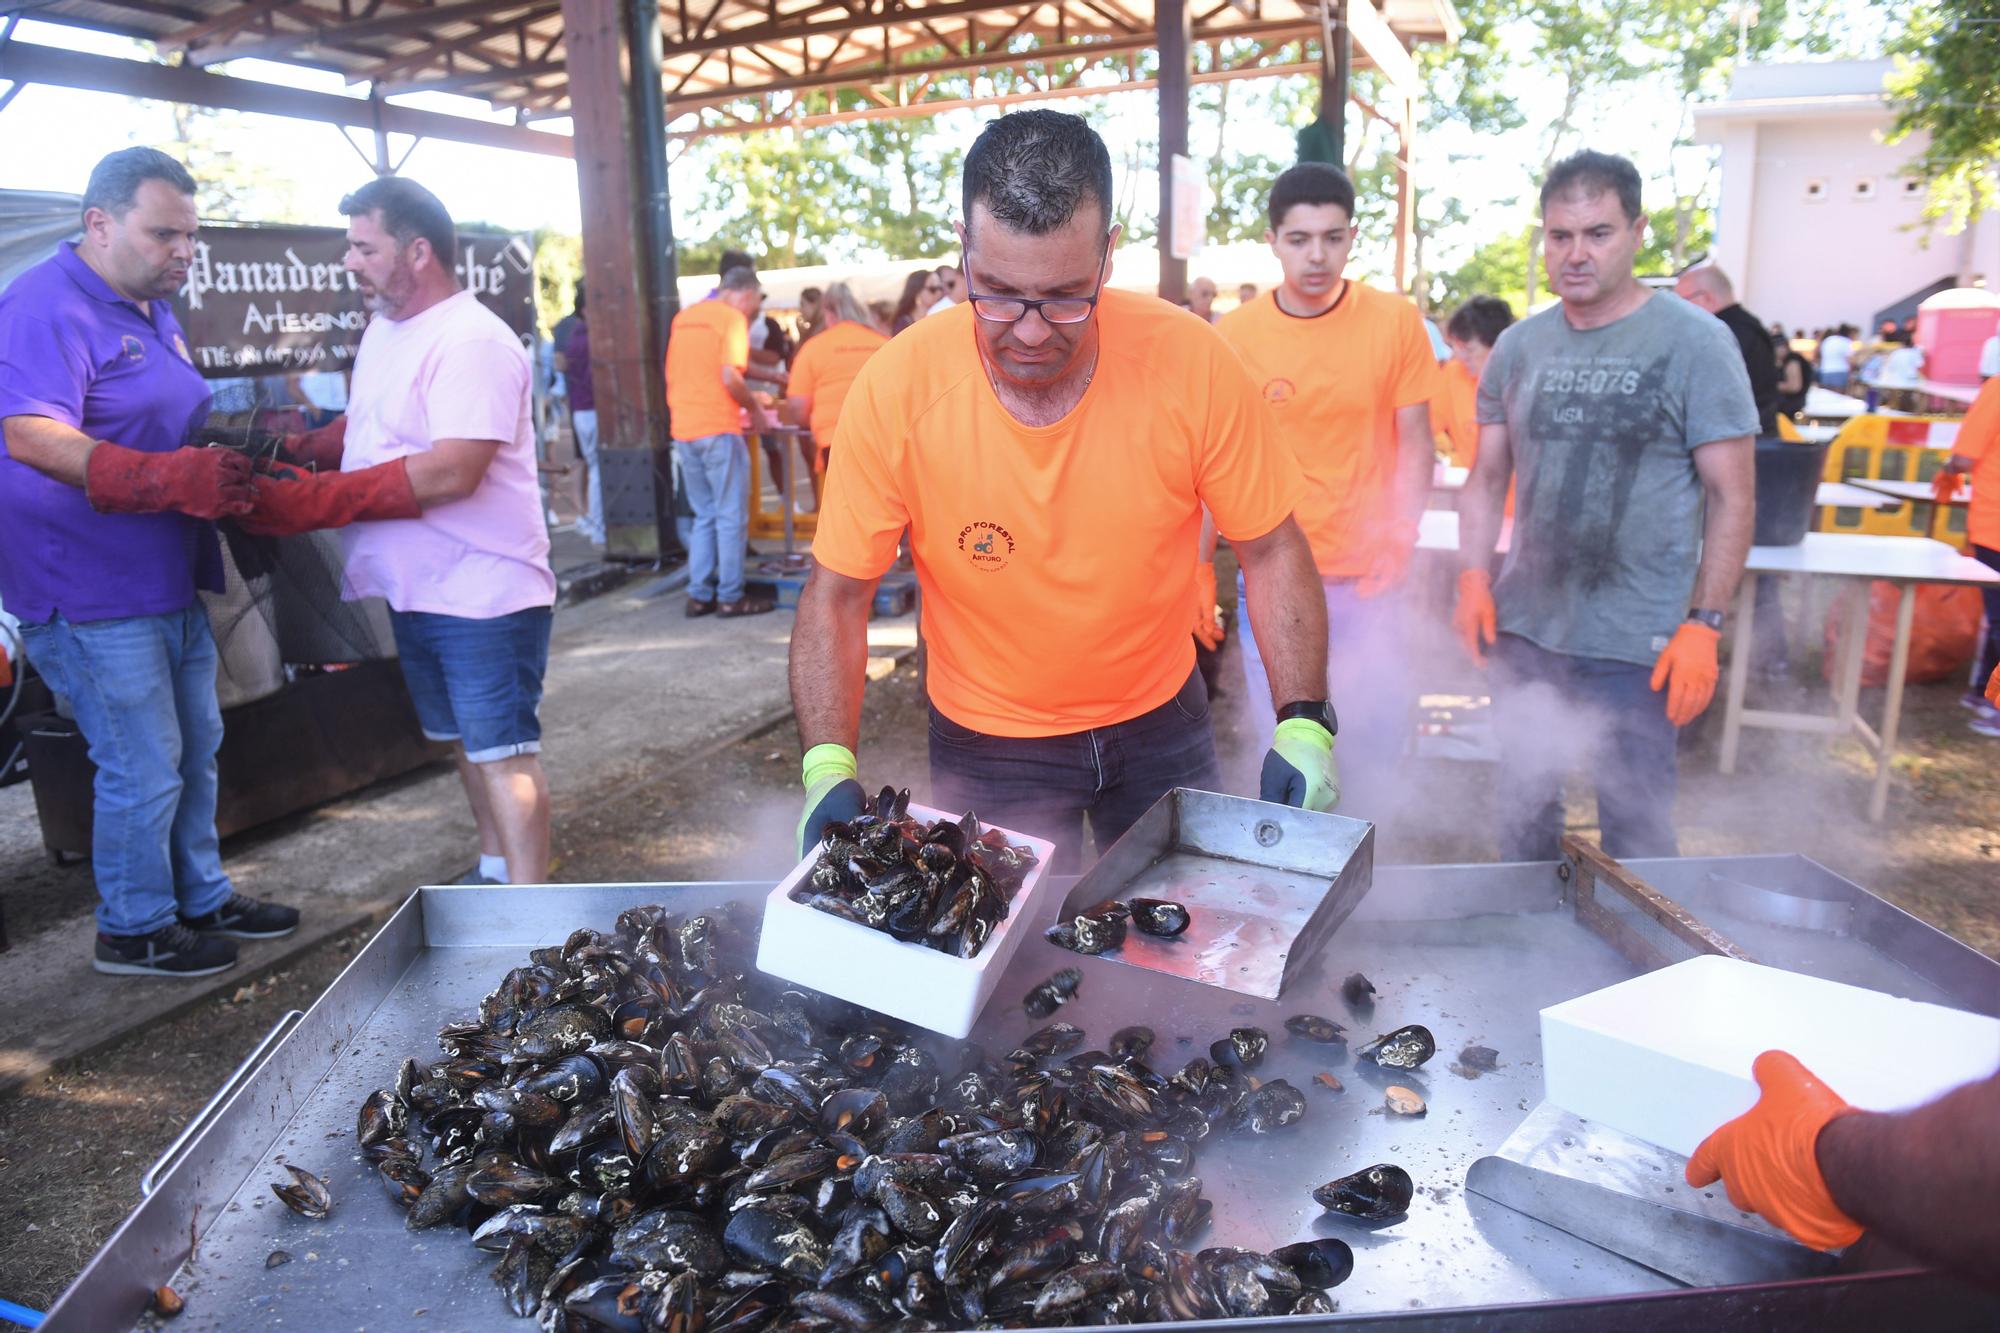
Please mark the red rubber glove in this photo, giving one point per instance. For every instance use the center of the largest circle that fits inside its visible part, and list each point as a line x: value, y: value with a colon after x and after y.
x: 1687, y: 669
x: 1944, y: 486
x: 319, y: 448
x: 1474, y: 619
x: 206, y: 483
x: 1768, y: 1160
x: 1207, y: 616
x: 1389, y: 564
x: 288, y: 501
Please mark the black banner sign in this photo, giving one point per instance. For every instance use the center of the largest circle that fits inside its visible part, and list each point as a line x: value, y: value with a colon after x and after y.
x: 264, y: 300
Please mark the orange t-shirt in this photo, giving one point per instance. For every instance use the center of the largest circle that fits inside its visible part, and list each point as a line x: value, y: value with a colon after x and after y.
x: 1979, y: 440
x: 1057, y: 562
x: 1455, y: 413
x: 1334, y: 383
x: 705, y: 337
x: 824, y: 371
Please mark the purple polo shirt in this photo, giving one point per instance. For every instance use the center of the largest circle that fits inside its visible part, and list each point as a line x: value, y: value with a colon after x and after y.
x: 74, y: 350
x: 582, y: 396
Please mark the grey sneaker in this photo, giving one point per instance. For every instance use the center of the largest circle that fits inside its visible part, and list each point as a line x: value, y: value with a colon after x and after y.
x: 170, y: 951
x: 1985, y: 726
x: 246, y: 919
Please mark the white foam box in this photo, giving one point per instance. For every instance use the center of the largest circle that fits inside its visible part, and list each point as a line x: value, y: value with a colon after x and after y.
x: 1665, y: 1057
x: 876, y: 970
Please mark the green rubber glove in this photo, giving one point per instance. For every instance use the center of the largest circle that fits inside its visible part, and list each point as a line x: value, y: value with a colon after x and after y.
x: 1298, y: 768
x: 832, y: 792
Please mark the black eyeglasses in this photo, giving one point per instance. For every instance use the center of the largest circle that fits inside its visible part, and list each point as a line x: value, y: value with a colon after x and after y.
x: 1055, y: 309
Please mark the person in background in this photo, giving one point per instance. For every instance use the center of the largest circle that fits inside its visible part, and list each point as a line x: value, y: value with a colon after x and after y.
x: 1246, y: 293
x: 1709, y: 288
x: 826, y: 368
x: 811, y: 317
x: 1470, y: 333
x: 559, y: 339
x: 1902, y: 372
x: 1201, y: 298
x: 771, y: 349
x: 583, y: 421
x: 431, y: 478
x: 1625, y: 418
x: 1827, y: 1173
x: 921, y: 291
x: 708, y: 352
x: 109, y: 532
x: 1795, y: 379
x: 1975, y: 454
x: 1836, y: 357
x: 950, y: 287
x: 1989, y: 358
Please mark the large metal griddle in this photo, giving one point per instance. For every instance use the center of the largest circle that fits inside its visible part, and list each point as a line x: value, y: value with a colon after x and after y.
x: 1471, y: 951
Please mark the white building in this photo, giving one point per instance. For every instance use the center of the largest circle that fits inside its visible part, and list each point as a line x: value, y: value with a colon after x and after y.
x: 1816, y: 224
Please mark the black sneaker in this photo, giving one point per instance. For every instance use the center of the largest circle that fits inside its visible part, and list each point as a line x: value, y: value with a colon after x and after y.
x: 246, y: 919
x: 170, y: 951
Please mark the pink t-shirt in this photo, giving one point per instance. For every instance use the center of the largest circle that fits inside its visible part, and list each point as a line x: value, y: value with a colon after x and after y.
x: 454, y: 372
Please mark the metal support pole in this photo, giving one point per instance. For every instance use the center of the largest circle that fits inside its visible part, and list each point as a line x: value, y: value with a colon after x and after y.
x: 1336, y: 64
x: 383, y: 167
x: 1175, y: 34
x: 655, y: 222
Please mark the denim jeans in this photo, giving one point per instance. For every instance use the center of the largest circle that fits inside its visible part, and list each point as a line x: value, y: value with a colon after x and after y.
x: 716, y: 471
x: 143, y: 693
x: 1554, y: 713
x: 1368, y: 680
x: 1988, y: 655
x: 1045, y: 785
x: 477, y: 682
x: 584, y: 423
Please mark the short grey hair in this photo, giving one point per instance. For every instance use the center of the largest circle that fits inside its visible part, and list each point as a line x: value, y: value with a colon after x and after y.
x: 1712, y: 280
x: 739, y: 278
x: 115, y: 180
x: 1034, y: 169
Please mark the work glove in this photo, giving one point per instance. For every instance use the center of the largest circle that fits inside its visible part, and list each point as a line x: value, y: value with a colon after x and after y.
x: 1474, y: 619
x: 205, y: 483
x: 832, y: 793
x: 1767, y: 1158
x: 1389, y: 564
x: 1298, y: 768
x: 1944, y: 486
x: 1207, y: 615
x: 319, y: 448
x: 1993, y: 688
x: 1687, y: 669
x: 289, y: 501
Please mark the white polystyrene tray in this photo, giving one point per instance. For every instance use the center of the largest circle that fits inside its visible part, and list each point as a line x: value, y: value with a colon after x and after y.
x: 880, y: 972
x: 1666, y: 1057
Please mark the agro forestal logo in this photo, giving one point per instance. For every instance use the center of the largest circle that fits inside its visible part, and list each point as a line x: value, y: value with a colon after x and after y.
x: 987, y: 545
x: 1279, y: 391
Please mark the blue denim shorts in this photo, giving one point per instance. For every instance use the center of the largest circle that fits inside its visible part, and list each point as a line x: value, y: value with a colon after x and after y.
x: 477, y: 682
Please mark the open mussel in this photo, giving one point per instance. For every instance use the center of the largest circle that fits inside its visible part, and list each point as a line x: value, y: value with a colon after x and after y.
x: 1314, y: 1028
x: 1405, y: 1048
x: 307, y: 1195
x: 1373, y: 1193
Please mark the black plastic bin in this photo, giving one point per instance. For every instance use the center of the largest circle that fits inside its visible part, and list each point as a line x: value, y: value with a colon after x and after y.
x: 1788, y: 474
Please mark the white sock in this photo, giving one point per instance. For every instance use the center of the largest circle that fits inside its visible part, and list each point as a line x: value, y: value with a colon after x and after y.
x: 493, y: 868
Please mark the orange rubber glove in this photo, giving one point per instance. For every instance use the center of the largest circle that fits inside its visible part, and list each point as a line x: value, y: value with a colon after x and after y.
x: 1390, y: 563
x: 1945, y: 485
x: 1767, y: 1158
x: 1475, y: 617
x: 1207, y: 615
x: 1687, y: 668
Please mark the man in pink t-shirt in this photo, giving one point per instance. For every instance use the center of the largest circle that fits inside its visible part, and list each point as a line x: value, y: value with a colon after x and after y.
x: 431, y: 474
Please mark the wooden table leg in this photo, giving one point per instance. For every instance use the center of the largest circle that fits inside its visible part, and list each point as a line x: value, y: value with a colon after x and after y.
x: 1892, y: 699
x: 1739, y: 670
x: 1853, y: 646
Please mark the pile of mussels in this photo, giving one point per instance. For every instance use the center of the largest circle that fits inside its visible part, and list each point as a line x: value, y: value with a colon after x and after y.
x: 945, y: 886
x: 653, y: 1137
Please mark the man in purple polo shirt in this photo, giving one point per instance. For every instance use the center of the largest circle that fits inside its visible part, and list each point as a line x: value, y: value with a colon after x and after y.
x: 110, y: 530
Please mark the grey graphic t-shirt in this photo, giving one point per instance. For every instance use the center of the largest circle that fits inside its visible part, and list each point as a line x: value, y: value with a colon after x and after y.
x: 1603, y: 425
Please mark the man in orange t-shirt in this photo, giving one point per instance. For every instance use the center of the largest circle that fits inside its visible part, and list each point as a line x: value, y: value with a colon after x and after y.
x: 708, y: 350
x: 1471, y: 332
x: 825, y: 367
x: 1349, y: 374
x: 1976, y: 453
x: 1050, y: 445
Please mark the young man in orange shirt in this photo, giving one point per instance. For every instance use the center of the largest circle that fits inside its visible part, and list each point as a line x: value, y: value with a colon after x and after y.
x: 708, y: 350
x: 1976, y: 453
x: 1348, y: 373
x: 1051, y: 445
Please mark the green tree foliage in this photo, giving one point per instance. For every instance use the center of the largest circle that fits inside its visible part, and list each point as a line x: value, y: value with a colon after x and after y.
x: 1945, y: 86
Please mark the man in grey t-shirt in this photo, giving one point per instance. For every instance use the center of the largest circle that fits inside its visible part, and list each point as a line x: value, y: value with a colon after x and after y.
x: 1626, y: 419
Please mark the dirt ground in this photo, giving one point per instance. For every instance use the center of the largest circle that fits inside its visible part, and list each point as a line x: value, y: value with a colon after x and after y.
x: 72, y: 1149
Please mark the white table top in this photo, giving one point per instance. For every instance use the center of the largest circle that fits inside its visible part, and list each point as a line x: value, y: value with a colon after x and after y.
x: 1826, y: 405
x: 1842, y: 495
x: 1957, y: 393
x: 1859, y: 555
x: 1907, y: 490
x: 1437, y: 530
x: 1812, y: 434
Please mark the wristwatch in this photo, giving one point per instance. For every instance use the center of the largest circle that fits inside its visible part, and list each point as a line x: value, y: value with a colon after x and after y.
x: 1313, y: 710
x: 1712, y: 619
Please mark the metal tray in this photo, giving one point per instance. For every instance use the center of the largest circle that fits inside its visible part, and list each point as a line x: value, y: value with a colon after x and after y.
x: 1264, y: 885
x: 1473, y: 952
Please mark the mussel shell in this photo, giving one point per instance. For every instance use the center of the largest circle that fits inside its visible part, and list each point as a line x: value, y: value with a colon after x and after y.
x: 1273, y: 1106
x: 1131, y: 1043
x: 766, y: 1237
x: 1071, y: 1289
x: 1098, y: 933
x: 443, y: 1199
x: 991, y: 1156
x: 1320, y: 1264
x: 670, y: 1240
x: 307, y: 1195
x: 857, y: 1111
x: 1314, y: 1028
x: 1373, y: 1193
x: 500, y: 1183
x: 1243, y: 1048
x: 1050, y: 995
x: 1054, y: 1039
x: 1155, y: 916
x: 1405, y: 1048
x: 381, y: 1116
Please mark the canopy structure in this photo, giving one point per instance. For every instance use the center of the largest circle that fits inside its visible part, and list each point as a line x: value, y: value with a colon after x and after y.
x: 630, y: 73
